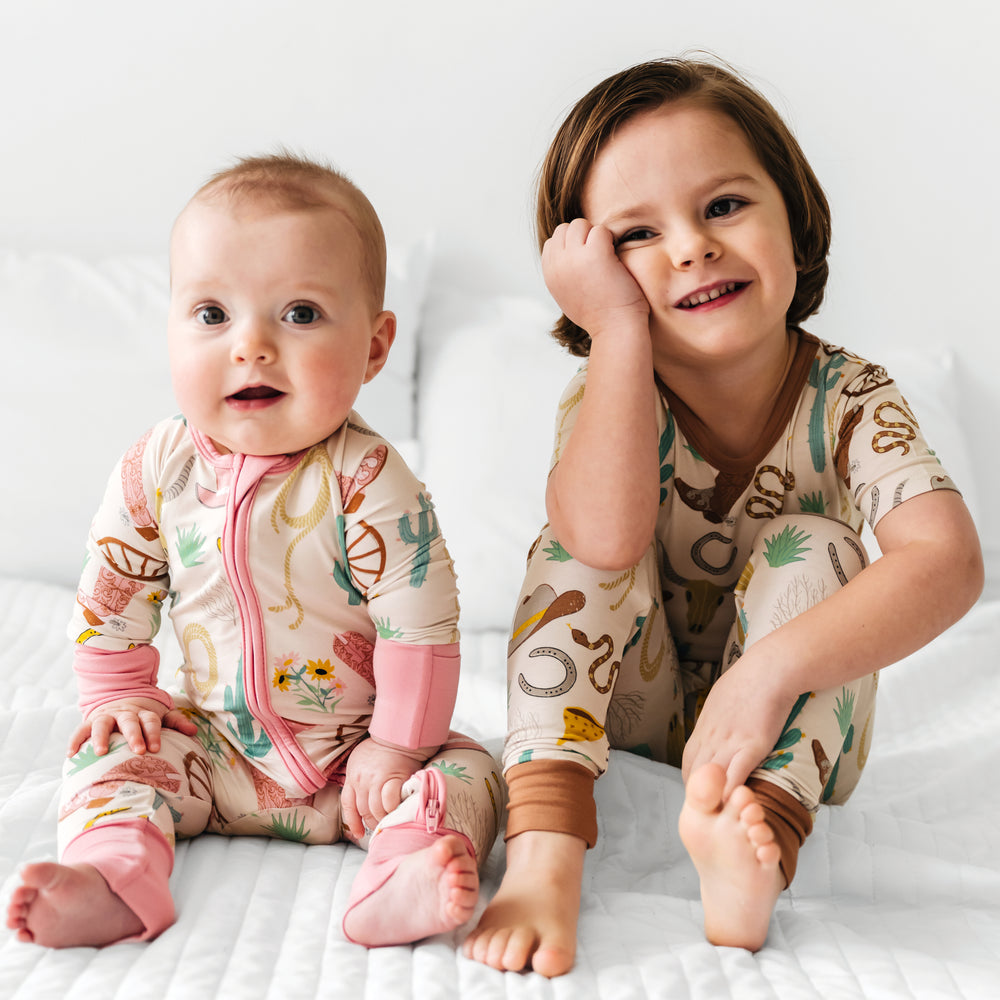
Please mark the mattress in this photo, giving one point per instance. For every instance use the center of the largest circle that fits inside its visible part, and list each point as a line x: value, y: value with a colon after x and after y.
x: 897, y: 893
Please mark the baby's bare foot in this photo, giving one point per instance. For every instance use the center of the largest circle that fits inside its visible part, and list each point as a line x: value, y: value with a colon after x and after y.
x: 433, y: 890
x: 531, y: 922
x: 736, y: 856
x: 67, y: 906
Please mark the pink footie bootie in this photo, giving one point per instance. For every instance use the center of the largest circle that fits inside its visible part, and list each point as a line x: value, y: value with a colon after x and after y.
x: 391, y: 845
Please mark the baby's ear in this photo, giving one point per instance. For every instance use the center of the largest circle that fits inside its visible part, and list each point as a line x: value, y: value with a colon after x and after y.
x: 383, y: 334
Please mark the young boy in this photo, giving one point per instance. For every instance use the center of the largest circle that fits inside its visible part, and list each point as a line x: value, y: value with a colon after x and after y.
x: 310, y: 588
x: 701, y: 595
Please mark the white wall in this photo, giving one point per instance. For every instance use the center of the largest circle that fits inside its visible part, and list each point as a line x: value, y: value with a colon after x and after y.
x: 113, y: 111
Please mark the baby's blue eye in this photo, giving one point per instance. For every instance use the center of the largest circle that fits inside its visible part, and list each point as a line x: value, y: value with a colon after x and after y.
x: 302, y: 315
x: 211, y: 315
x: 722, y: 207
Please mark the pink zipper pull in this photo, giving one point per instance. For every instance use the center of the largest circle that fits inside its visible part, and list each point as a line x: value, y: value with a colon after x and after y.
x: 433, y: 792
x: 433, y: 816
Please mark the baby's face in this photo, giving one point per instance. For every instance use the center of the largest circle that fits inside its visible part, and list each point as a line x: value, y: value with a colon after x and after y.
x: 271, y: 330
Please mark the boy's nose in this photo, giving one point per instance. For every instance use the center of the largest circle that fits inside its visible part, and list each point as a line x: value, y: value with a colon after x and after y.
x: 690, y: 262
x: 692, y: 246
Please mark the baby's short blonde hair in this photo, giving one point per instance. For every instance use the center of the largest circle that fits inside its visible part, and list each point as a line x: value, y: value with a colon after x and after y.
x: 290, y: 181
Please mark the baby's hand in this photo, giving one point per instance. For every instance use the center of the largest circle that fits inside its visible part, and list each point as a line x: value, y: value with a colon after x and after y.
x: 591, y: 285
x: 139, y: 720
x: 373, y: 784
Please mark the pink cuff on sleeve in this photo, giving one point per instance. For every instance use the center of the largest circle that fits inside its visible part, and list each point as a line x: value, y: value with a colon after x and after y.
x: 104, y: 675
x: 415, y: 691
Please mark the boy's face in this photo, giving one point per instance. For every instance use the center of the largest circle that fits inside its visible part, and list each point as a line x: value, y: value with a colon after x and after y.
x: 271, y: 329
x: 702, y: 227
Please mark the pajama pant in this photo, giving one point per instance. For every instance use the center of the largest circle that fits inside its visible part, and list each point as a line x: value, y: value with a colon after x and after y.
x: 591, y: 664
x: 135, y: 806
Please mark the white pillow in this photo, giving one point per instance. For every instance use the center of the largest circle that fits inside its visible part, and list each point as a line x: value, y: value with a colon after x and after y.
x: 87, y: 374
x: 389, y: 402
x: 490, y: 379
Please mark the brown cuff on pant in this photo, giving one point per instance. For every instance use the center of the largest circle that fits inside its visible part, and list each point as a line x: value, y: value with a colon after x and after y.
x: 788, y: 818
x: 552, y: 795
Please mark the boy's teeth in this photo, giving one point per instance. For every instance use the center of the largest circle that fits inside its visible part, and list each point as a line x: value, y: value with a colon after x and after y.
x: 703, y: 297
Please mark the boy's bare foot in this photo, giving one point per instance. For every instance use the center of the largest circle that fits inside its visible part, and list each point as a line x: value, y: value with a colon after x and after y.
x: 531, y: 921
x: 736, y: 856
x: 68, y: 906
x: 433, y: 890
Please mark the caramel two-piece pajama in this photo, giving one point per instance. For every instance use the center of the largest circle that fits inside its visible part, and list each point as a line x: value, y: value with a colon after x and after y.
x: 315, y: 604
x: 600, y: 659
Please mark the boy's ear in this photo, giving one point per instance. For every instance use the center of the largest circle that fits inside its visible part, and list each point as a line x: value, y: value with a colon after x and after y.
x: 384, y: 333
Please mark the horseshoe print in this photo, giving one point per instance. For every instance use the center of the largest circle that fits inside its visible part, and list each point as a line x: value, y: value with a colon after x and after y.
x: 699, y: 560
x: 835, y: 560
x: 559, y: 689
x: 858, y: 551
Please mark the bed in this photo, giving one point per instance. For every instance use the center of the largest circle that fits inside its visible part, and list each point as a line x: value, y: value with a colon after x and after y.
x: 897, y: 894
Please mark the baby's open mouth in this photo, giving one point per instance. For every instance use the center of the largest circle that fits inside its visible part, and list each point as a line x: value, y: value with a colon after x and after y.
x: 712, y: 294
x: 256, y: 392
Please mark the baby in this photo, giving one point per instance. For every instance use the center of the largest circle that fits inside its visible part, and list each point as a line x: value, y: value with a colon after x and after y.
x: 310, y: 590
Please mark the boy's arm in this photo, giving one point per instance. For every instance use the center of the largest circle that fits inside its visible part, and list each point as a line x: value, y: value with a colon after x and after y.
x: 930, y: 574
x: 602, y: 497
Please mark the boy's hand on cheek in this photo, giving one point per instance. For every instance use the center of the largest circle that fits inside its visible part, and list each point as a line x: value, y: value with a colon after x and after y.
x: 739, y: 724
x: 373, y: 784
x: 590, y: 284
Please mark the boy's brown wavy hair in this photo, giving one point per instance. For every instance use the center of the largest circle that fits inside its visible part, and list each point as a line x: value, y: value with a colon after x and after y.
x: 592, y: 123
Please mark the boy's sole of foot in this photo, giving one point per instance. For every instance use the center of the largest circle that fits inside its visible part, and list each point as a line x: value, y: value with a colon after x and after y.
x: 737, y: 859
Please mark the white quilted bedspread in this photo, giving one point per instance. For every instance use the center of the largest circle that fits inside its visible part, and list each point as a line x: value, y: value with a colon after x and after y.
x: 898, y: 892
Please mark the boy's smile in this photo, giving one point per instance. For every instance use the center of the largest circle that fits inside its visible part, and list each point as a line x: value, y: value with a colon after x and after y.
x: 705, y: 298
x: 702, y: 228
x: 271, y: 327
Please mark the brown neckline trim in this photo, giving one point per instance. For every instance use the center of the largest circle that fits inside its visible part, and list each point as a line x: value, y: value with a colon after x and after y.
x: 788, y: 398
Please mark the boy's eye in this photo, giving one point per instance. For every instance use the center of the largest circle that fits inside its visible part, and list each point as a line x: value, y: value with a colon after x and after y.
x: 634, y: 236
x: 722, y: 207
x: 211, y: 315
x: 302, y: 314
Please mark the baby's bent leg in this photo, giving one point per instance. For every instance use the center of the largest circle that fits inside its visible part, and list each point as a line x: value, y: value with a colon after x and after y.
x: 116, y: 831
